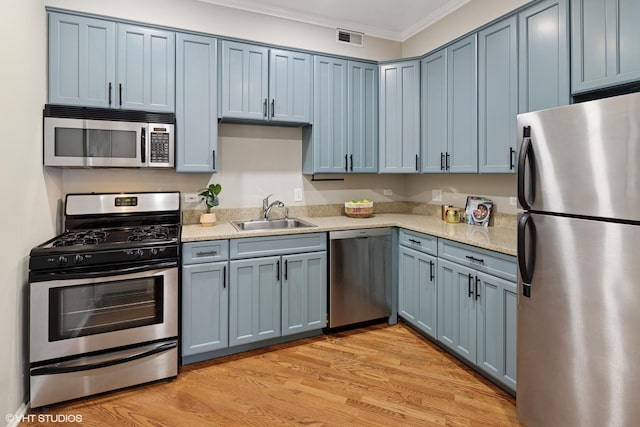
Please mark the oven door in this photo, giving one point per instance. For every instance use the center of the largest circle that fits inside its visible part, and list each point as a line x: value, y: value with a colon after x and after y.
x: 90, y: 143
x: 78, y: 316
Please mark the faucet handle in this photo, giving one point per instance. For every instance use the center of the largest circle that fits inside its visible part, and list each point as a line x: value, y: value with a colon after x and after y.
x: 265, y: 201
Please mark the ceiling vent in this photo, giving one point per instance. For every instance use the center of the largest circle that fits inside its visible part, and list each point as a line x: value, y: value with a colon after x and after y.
x: 353, y: 38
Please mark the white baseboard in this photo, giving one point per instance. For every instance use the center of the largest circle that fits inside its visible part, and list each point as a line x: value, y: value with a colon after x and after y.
x: 14, y: 420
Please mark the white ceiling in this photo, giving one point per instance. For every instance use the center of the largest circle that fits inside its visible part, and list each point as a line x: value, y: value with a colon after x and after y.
x: 389, y: 19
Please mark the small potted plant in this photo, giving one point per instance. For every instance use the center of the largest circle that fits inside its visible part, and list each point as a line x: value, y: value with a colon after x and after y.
x: 209, y: 196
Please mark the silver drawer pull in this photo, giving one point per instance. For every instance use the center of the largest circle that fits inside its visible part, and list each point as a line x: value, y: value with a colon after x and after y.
x: 481, y: 261
x: 210, y: 253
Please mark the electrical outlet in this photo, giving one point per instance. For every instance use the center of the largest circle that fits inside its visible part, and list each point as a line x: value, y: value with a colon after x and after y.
x: 513, y: 201
x: 436, y: 195
x: 297, y: 194
x: 387, y: 192
x: 191, y: 197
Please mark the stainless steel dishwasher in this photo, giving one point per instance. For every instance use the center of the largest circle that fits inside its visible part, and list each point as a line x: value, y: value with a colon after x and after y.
x: 360, y: 276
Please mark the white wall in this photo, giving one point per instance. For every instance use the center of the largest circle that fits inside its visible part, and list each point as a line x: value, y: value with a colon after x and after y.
x: 29, y: 193
x: 209, y: 18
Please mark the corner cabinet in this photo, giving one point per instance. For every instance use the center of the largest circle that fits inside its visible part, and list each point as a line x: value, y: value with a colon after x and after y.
x: 262, y: 84
x: 101, y: 63
x: 497, y: 96
x: 196, y: 103
x: 399, y: 116
x: 449, y: 116
x: 278, y: 287
x: 604, y: 43
x: 344, y: 134
x: 543, y: 63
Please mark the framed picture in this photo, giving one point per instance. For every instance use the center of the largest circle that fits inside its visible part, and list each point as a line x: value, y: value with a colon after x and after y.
x: 478, y: 210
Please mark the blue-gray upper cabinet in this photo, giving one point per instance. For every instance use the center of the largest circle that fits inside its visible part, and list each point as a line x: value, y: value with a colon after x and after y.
x: 462, y: 106
x: 434, y: 111
x: 362, y: 114
x: 290, y: 86
x: 146, y: 68
x: 196, y: 103
x: 82, y: 61
x: 449, y: 139
x: 543, y: 48
x: 324, y: 148
x: 400, y: 117
x: 497, y: 96
x: 262, y: 84
x: 604, y: 43
x: 83, y: 53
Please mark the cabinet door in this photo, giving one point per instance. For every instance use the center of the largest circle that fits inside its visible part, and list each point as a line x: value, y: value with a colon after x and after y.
x: 81, y: 60
x: 290, y: 86
x: 604, y: 48
x: 434, y: 111
x: 244, y: 81
x: 417, y: 302
x: 498, y: 96
x: 543, y: 56
x: 196, y: 103
x: 304, y: 292
x: 362, y: 114
x: 496, y: 328
x: 146, y: 68
x: 205, y: 304
x: 457, y: 309
x: 254, y: 300
x: 462, y: 132
x: 330, y: 115
x: 400, y: 117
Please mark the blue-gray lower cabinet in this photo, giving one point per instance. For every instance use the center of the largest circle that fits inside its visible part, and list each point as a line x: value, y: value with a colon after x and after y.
x: 457, y: 309
x: 417, y: 302
x: 196, y: 103
x: 254, y: 299
x: 205, y: 299
x: 497, y: 96
x: 604, y: 43
x: 304, y: 292
x: 496, y: 328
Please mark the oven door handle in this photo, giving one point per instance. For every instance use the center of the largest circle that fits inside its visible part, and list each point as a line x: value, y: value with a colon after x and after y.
x: 110, y: 271
x: 61, y: 368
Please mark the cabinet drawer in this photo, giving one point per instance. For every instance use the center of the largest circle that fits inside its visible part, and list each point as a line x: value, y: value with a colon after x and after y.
x: 419, y: 242
x: 490, y: 262
x: 277, y: 245
x: 207, y: 251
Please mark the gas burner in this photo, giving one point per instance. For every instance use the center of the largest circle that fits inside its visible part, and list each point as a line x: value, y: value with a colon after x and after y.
x: 149, y: 233
x: 92, y: 237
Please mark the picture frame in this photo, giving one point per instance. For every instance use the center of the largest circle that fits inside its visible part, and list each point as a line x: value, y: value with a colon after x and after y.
x: 478, y: 210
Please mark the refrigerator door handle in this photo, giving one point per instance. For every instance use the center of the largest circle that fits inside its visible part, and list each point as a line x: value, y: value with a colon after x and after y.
x: 526, y: 153
x: 526, y: 264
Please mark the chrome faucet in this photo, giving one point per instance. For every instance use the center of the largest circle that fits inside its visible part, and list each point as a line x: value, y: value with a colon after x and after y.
x: 266, y: 207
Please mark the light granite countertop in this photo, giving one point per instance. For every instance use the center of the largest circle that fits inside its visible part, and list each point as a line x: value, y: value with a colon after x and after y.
x: 496, y: 238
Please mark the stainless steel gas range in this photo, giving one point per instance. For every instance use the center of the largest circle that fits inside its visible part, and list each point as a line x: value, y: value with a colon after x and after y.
x: 104, y: 297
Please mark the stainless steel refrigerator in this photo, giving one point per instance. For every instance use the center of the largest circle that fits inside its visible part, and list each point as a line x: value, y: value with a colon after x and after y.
x: 579, y: 265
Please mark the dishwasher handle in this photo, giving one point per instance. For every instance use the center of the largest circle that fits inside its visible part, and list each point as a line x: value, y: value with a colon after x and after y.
x: 359, y: 233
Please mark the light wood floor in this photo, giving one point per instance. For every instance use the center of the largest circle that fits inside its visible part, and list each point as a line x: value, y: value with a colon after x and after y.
x: 374, y: 376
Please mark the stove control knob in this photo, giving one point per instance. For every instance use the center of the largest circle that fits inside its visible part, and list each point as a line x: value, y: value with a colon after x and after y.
x: 79, y: 259
x: 139, y: 253
x: 62, y: 260
x: 153, y: 251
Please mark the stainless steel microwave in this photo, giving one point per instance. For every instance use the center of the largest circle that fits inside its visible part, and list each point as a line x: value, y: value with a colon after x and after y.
x: 99, y: 137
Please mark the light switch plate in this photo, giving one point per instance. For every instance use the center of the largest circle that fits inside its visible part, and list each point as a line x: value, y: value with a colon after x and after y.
x: 513, y: 201
x: 191, y: 197
x: 387, y: 192
x: 436, y: 195
x: 297, y: 194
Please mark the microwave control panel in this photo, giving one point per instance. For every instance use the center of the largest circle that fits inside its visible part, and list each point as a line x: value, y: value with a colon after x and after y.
x: 160, y: 143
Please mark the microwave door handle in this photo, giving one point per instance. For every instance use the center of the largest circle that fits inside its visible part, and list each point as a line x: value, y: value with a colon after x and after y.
x: 143, y: 145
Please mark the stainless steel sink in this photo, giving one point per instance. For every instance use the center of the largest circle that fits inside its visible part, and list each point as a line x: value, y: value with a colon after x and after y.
x: 270, y: 224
